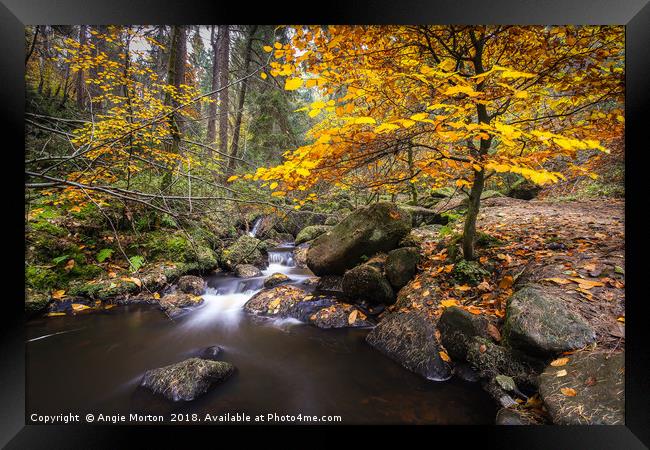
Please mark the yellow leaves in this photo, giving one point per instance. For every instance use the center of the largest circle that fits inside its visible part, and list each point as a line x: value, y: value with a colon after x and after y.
x: 263, y: 75
x: 277, y: 45
x: 361, y: 120
x: 506, y: 282
x: 76, y: 307
x: 386, y: 127
x: 458, y: 89
x: 156, y: 295
x: 291, y: 84
x: 449, y: 303
x: 267, y: 48
x: 232, y: 178
x: 133, y: 280
x: 278, y: 194
x: 273, y: 185
x: 352, y: 317
x: 568, y: 392
x: 559, y: 362
x: 444, y: 356
x: 58, y: 294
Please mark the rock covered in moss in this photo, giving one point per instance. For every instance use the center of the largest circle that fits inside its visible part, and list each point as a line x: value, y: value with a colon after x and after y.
x: 247, y: 271
x: 330, y: 283
x: 424, y: 216
x: 365, y: 232
x: 512, y: 416
x: 401, y: 265
x: 417, y: 236
x: 588, y: 390
x: 409, y: 338
x: 457, y: 328
x: 311, y: 232
x: 339, y: 315
x: 211, y: 353
x: 173, y: 304
x: 187, y: 379
x: 245, y: 250
x: 469, y: 272
x: 367, y: 282
x: 36, y: 302
x: 285, y: 301
x: 275, y: 279
x: 300, y: 256
x: 539, y: 323
x: 491, y: 360
x: 191, y: 284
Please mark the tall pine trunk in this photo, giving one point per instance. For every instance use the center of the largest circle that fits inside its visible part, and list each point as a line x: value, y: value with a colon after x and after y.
x: 224, y: 64
x: 232, y: 162
x: 80, y: 82
x: 212, y: 110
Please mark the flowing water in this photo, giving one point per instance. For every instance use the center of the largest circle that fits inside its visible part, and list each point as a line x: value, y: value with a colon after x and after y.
x: 93, y: 363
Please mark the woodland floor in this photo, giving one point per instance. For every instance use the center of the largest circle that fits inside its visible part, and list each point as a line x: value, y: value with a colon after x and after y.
x: 575, y: 249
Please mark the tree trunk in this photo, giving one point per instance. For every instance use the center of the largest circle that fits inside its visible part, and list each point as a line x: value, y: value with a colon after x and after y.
x: 224, y: 60
x: 80, y: 82
x: 232, y: 162
x: 175, y: 77
x: 473, y: 206
x: 212, y: 111
x: 413, y: 189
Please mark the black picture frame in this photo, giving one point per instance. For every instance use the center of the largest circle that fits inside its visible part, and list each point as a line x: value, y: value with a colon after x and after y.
x: 634, y: 14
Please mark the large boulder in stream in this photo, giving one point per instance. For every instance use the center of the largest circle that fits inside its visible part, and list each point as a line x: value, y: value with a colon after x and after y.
x: 187, y: 379
x: 191, y: 284
x: 275, y: 279
x: 542, y: 324
x: 588, y: 390
x: 174, y: 304
x: 245, y: 250
x: 339, y: 315
x: 376, y: 228
x: 410, y: 339
x: 247, y: 271
x: 285, y: 301
x: 401, y: 265
x: 367, y: 282
x: 311, y: 232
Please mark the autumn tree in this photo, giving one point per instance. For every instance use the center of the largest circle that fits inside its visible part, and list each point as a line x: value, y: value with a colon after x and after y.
x: 433, y: 105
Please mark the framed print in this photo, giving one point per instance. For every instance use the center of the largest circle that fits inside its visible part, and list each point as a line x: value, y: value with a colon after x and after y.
x: 411, y: 214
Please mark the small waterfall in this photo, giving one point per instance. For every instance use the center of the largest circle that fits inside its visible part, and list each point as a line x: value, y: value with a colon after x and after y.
x: 256, y: 226
x: 283, y: 257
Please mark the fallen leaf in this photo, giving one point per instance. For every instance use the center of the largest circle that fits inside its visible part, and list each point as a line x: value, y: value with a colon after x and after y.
x: 135, y: 281
x: 561, y: 373
x: 444, y: 356
x: 352, y: 317
x: 493, y: 332
x: 484, y: 286
x: 79, y: 307
x: 448, y: 303
x: 569, y: 392
x: 156, y: 295
x: 69, y: 266
x: 58, y: 295
x: 482, y: 348
x: 55, y: 314
x: 590, y: 381
x: 559, y: 362
x: 505, y: 282
x: 558, y: 280
x: 621, y: 319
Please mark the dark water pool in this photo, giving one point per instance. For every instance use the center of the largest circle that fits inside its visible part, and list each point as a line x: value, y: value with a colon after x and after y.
x: 95, y: 364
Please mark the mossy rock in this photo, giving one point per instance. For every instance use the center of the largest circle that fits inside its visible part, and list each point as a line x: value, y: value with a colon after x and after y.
x: 409, y: 339
x: 469, y: 272
x: 540, y: 323
x: 401, y: 266
x: 245, y: 250
x: 286, y: 301
x: 367, y: 231
x: 367, y: 283
x: 457, y: 329
x: 36, y: 302
x: 311, y: 232
x: 598, y: 380
x: 187, y: 379
x: 339, y: 315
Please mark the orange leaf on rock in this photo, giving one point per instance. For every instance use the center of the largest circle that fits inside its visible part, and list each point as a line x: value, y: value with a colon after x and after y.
x: 569, y: 392
x: 559, y: 362
x: 444, y: 356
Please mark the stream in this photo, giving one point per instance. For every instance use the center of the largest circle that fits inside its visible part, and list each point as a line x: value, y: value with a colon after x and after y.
x: 93, y: 363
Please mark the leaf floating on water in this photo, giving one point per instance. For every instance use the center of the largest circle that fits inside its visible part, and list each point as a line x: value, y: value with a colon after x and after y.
x: 55, y: 314
x: 559, y: 362
x: 569, y: 392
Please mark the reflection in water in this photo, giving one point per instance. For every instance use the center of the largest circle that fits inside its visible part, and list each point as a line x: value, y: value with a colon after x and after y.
x: 283, y: 366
